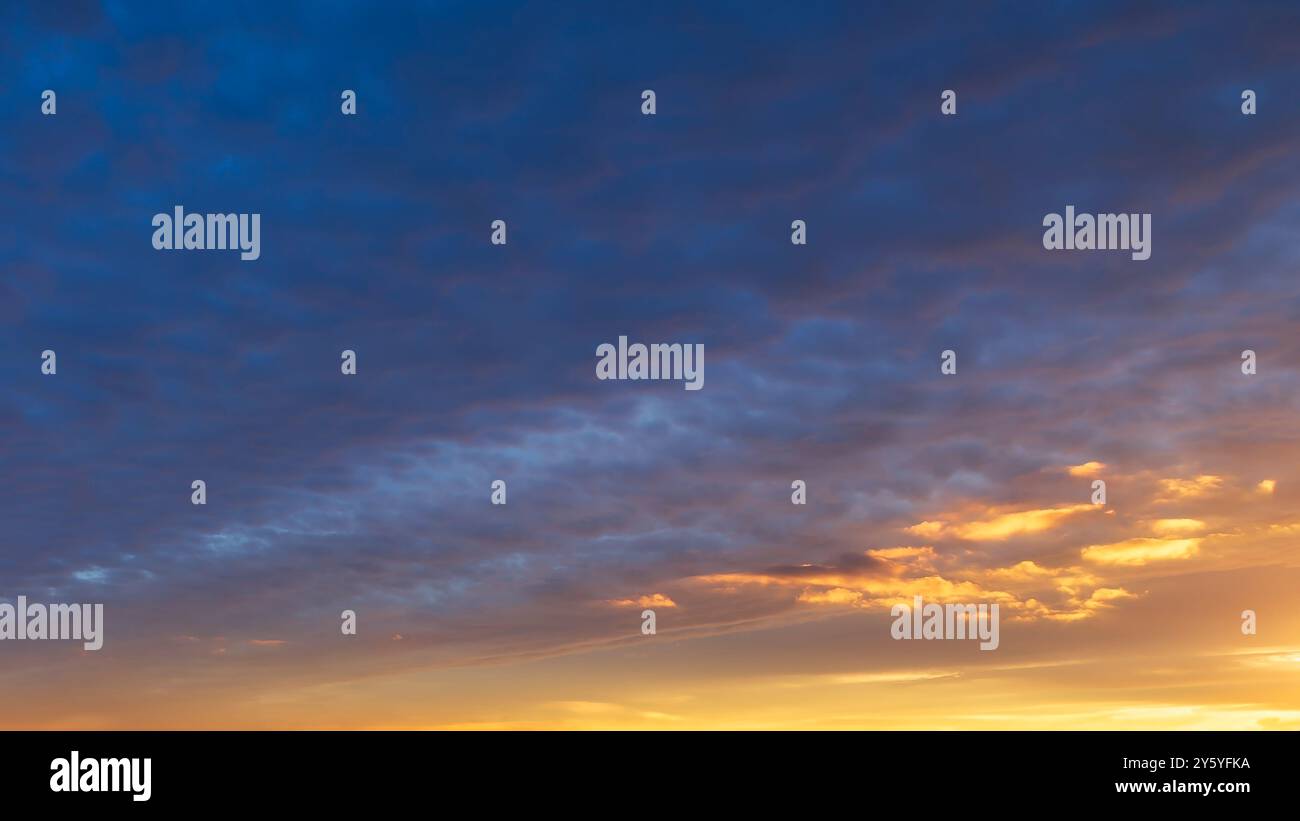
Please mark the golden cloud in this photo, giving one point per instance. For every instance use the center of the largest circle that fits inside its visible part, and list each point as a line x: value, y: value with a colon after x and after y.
x: 1133, y: 552
x: 998, y: 526
x: 1189, y: 488
x: 653, y: 600
x: 836, y: 595
x: 904, y: 573
x: 919, y: 553
x: 1086, y: 469
x: 1171, y: 527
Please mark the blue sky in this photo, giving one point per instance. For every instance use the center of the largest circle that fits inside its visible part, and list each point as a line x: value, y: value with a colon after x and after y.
x: 476, y: 362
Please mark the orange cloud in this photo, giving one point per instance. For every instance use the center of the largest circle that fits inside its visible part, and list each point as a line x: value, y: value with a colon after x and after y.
x: 653, y: 600
x: 1141, y: 551
x: 1099, y: 599
x: 919, y: 553
x: 1001, y: 526
x: 1168, y: 527
x: 909, y: 572
x: 1189, y: 488
x: 927, y: 530
x: 836, y: 595
x: 1086, y: 469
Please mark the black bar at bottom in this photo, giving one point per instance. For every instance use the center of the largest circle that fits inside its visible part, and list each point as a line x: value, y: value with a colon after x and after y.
x: 642, y: 771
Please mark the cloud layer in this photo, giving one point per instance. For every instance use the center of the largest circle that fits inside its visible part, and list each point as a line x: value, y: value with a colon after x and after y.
x: 477, y: 362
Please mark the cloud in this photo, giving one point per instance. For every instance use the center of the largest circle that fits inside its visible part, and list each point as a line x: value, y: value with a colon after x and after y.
x: 1026, y: 590
x: 1190, y: 488
x: 370, y: 492
x: 1086, y: 469
x: 1141, y: 551
x: 653, y: 600
x: 835, y: 595
x: 1001, y: 525
x: 1168, y: 527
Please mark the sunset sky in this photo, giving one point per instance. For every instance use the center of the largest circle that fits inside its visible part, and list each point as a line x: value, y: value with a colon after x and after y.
x: 476, y: 362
